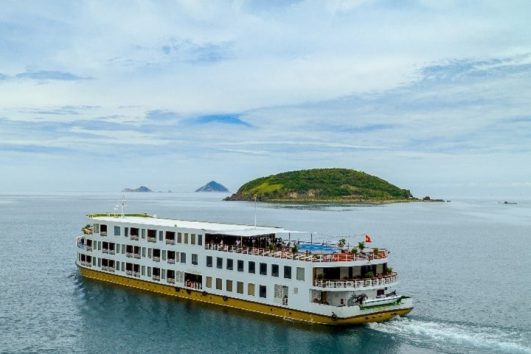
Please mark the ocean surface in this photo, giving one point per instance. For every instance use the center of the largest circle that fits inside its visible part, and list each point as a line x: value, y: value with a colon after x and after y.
x: 466, y: 263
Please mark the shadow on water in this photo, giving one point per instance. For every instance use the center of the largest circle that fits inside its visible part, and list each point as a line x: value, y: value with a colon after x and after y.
x: 137, y: 321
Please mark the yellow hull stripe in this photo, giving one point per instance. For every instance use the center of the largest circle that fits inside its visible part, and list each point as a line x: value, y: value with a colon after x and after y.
x: 239, y: 304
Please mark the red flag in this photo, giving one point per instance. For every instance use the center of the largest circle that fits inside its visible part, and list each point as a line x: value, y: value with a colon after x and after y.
x: 368, y: 239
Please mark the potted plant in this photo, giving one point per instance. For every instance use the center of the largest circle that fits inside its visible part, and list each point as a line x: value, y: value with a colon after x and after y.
x: 354, y: 251
x: 375, y: 251
x: 369, y: 274
x: 341, y: 243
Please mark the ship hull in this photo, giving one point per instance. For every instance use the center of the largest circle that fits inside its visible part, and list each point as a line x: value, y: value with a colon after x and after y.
x: 244, y: 305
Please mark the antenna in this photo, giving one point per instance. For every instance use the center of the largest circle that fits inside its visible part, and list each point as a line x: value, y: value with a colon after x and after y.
x: 123, y: 204
x: 255, y: 211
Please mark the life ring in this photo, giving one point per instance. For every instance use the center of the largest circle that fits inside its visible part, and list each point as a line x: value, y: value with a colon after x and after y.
x: 334, y: 317
x: 205, y: 293
x: 225, y: 298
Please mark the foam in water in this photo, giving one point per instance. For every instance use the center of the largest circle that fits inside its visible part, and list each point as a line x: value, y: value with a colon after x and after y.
x: 454, y: 337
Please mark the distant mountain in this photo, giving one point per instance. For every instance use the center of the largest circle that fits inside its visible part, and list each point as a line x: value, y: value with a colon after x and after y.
x: 213, y: 186
x: 142, y: 189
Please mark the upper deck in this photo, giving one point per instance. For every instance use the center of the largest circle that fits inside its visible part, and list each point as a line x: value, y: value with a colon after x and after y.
x: 240, y: 230
x: 248, y: 239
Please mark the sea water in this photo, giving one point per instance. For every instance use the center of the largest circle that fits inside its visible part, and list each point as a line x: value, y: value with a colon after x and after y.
x: 467, y: 264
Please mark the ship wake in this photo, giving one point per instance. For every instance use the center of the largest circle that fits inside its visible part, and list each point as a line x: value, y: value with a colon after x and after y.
x: 452, y: 337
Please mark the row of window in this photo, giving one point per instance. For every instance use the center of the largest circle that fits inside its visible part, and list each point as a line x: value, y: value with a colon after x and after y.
x: 229, y: 286
x: 169, y: 236
x: 153, y: 253
x: 125, y: 266
x: 251, y: 267
x: 161, y: 273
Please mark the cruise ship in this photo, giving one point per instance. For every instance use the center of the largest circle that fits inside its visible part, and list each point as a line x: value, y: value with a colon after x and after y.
x: 245, y: 267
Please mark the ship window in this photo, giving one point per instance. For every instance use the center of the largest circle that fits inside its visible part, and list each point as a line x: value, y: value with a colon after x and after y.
x: 163, y: 274
x: 183, y: 257
x: 143, y: 233
x: 192, y: 239
x: 219, y: 262
x: 160, y: 235
x: 149, y: 252
x: 126, y: 232
x: 295, y: 290
x: 263, y: 291
x: 143, y: 270
x: 219, y: 284
x: 230, y: 263
x: 194, y: 258
x: 239, y: 287
x: 228, y: 285
x: 263, y: 268
x: 143, y: 251
x: 274, y: 270
x: 209, y: 282
x: 123, y: 266
x: 99, y: 262
x: 123, y: 249
x: 300, y: 273
x: 200, y: 240
x: 149, y: 271
x: 99, y: 245
x: 103, y: 230
x: 250, y: 289
x: 240, y: 266
x: 117, y: 265
x: 96, y: 228
x: 209, y: 261
x: 287, y: 272
x: 163, y: 255
x: 117, y: 231
x: 186, y: 238
x: 251, y: 267
x: 179, y: 237
x: 94, y: 261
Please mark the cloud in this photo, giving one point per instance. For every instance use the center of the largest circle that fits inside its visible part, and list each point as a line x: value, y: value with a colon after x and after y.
x: 162, y: 115
x: 47, y: 75
x: 398, y: 90
x: 186, y: 50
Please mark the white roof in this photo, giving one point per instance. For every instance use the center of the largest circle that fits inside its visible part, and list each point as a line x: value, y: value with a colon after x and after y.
x: 207, y: 227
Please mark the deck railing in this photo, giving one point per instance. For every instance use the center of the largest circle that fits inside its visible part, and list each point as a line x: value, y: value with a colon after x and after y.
x: 170, y: 242
x: 356, y: 283
x: 134, y: 237
x: 285, y: 253
x: 171, y: 260
x: 152, y: 239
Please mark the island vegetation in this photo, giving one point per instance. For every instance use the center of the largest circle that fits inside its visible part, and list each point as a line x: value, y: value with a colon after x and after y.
x: 327, y: 185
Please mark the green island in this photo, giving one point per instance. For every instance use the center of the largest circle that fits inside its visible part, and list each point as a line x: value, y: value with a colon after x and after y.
x: 324, y: 185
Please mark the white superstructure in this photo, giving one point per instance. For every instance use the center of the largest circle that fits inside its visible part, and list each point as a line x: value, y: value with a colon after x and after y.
x: 242, y: 262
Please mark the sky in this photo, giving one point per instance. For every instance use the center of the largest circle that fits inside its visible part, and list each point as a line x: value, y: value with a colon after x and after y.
x: 433, y: 96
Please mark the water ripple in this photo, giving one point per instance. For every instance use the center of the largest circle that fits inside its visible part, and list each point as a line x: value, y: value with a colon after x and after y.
x: 453, y: 337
